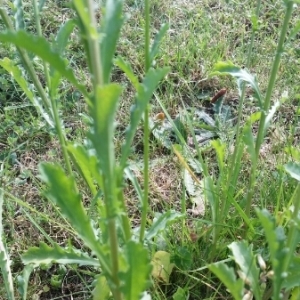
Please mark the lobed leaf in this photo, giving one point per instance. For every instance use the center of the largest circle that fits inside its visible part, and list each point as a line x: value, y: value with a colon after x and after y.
x: 45, y: 255
x: 136, y: 279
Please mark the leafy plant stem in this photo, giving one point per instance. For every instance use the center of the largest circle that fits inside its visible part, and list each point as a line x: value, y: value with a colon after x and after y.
x: 267, y: 101
x: 146, y: 127
x: 109, y: 188
x: 236, y: 166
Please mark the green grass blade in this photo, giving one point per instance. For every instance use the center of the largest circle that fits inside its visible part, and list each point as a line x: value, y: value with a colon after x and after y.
x: 44, y: 254
x: 136, y: 279
x: 42, y: 48
x: 113, y: 20
x: 4, y: 258
x: 228, y: 277
x: 244, y: 257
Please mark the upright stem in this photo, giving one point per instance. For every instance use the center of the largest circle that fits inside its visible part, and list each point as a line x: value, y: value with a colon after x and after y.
x: 109, y: 185
x: 146, y: 126
x: 267, y: 101
x: 232, y: 171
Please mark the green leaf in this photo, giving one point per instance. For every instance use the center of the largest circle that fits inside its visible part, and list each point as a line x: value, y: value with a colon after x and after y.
x: 227, y: 276
x: 86, y: 163
x: 276, y: 240
x: 41, y: 47
x: 249, y: 141
x: 161, y: 221
x: 157, y: 41
x: 180, y: 294
x: 62, y: 36
x: 45, y: 255
x: 271, y: 114
x: 228, y: 68
x: 292, y: 279
x: 113, y: 20
x: 4, y: 257
x: 162, y: 266
x: 294, y: 31
x: 126, y: 68
x: 16, y: 73
x: 101, y: 290
x: 293, y: 169
x: 220, y: 149
x: 136, y: 278
x: 244, y: 257
x: 63, y: 192
x: 23, y: 280
x: 144, y: 94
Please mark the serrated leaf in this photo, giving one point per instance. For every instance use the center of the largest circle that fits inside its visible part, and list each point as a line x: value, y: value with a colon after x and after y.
x: 23, y: 280
x: 244, y: 257
x: 227, y: 276
x: 144, y: 94
x: 101, y: 290
x: 42, y: 48
x: 161, y: 221
x: 162, y: 267
x: 16, y: 73
x: 136, y: 278
x: 228, y: 68
x: 157, y: 41
x: 293, y: 169
x: 44, y: 254
x: 63, y: 192
x: 113, y: 20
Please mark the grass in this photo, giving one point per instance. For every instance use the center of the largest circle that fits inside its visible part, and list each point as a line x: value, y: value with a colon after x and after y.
x: 200, y: 35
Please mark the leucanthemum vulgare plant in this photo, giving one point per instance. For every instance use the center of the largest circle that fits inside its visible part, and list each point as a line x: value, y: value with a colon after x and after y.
x: 119, y: 253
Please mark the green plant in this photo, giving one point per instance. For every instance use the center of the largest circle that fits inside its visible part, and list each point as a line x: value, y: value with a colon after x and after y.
x: 111, y: 244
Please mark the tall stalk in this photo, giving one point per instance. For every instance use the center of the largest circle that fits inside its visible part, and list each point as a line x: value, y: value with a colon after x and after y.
x: 146, y: 126
x: 109, y: 186
x: 267, y: 101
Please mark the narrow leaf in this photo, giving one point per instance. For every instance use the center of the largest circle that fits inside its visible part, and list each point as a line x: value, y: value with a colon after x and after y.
x: 41, y: 47
x: 144, y: 94
x: 138, y: 263
x: 161, y: 221
x: 228, y: 68
x: 157, y: 41
x: 227, y: 276
x: 23, y: 281
x: 113, y: 20
x: 19, y: 16
x: 44, y: 254
x: 63, y: 192
x: 126, y: 68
